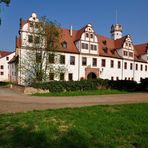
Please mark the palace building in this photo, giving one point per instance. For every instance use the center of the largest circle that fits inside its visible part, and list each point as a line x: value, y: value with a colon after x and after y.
x: 86, y: 55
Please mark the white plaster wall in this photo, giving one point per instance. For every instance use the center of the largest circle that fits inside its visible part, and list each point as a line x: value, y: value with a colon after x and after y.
x: 4, y: 62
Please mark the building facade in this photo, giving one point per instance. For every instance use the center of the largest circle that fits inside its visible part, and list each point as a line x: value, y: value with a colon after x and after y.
x: 5, y: 57
x: 87, y: 55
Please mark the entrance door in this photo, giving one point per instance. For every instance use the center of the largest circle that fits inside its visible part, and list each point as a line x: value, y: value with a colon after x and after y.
x: 91, y: 76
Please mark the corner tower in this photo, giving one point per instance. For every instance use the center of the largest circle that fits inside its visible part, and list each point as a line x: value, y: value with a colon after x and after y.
x: 116, y: 31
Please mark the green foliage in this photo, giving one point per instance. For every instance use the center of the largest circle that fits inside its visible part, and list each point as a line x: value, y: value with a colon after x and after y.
x: 97, y: 126
x: 4, y: 83
x: 126, y: 85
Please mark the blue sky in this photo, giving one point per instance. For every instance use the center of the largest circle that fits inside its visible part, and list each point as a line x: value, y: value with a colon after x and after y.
x: 132, y: 14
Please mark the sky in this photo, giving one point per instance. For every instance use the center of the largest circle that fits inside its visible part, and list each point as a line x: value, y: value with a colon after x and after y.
x: 132, y: 15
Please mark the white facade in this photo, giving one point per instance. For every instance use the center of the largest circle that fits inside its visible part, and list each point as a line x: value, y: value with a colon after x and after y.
x: 4, y: 66
x: 93, y: 56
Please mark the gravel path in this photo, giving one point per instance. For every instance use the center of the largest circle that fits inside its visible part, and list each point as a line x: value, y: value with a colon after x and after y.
x: 11, y: 101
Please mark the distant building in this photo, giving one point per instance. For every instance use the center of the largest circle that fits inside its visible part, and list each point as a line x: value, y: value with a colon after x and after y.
x: 88, y: 55
x: 5, y: 57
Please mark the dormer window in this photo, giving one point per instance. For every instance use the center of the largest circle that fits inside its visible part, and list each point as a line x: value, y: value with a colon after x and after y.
x: 104, y: 42
x: 87, y: 35
x: 64, y: 44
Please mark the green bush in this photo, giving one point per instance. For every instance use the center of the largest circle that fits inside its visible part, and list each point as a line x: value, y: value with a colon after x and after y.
x: 143, y: 86
x: 4, y: 83
x: 123, y: 85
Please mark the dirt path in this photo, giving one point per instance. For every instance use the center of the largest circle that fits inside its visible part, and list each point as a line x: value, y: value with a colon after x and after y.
x: 11, y: 101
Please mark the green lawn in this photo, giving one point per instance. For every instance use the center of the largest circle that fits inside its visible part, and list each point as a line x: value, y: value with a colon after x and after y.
x: 83, y: 93
x: 118, y: 126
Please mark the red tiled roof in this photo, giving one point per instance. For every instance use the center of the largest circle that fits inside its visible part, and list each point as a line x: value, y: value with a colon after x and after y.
x: 141, y: 48
x: 5, y: 53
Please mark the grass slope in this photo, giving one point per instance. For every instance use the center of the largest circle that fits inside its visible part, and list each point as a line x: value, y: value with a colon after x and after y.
x: 97, y: 126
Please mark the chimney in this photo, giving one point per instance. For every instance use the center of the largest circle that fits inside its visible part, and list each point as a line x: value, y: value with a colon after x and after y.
x: 71, y: 31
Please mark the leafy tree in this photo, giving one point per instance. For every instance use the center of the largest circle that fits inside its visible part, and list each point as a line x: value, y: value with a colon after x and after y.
x: 40, y: 56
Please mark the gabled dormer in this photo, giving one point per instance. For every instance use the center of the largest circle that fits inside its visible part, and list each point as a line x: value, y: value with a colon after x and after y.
x: 125, y: 47
x: 88, y: 42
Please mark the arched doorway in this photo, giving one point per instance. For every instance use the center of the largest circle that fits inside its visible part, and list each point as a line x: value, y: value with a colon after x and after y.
x: 91, y: 76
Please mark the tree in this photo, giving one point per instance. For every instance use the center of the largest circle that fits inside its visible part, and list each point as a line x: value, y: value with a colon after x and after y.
x: 7, y: 2
x: 41, y: 57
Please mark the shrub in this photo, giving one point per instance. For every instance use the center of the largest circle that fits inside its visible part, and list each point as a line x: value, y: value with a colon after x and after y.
x: 143, y: 86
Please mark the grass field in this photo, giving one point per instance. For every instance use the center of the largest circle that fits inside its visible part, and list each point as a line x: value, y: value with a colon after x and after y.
x: 83, y: 93
x: 118, y: 126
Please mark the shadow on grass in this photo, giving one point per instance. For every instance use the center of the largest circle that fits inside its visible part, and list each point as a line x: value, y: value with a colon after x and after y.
x: 25, y: 137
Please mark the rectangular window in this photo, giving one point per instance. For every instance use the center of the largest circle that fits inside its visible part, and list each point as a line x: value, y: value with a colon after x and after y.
x: 125, y: 65
x: 37, y: 40
x: 30, y: 39
x: 7, y: 58
x: 51, y: 76
x: 93, y: 47
x: 84, y: 46
x: 70, y: 76
x: 38, y: 57
x: 119, y: 64
x: 51, y: 58
x: 111, y: 63
x: 145, y: 67
x: 94, y: 62
x: 125, y: 53
x: 141, y: 67
x: 103, y: 63
x: 136, y: 66
x: 117, y: 78
x: 131, y: 66
x: 2, y: 73
x: 84, y: 61
x: 112, y: 78
x: 130, y: 54
x: 61, y: 76
x: 2, y: 66
x: 62, y: 59
x: 72, y: 60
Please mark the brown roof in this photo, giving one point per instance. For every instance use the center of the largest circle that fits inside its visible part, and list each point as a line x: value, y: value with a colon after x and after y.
x: 141, y: 48
x: 14, y: 59
x: 5, y: 53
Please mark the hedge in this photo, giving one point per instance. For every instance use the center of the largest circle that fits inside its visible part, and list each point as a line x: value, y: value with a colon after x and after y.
x: 83, y: 85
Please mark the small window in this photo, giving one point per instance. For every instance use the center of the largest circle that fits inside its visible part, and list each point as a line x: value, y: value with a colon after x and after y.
x: 111, y: 63
x: 131, y: 66
x: 119, y: 64
x: 72, y: 60
x: 62, y: 59
x: 84, y: 61
x: 62, y: 76
x: 94, y: 62
x: 64, y: 45
x: 103, y: 63
x: 37, y: 40
x: 31, y: 24
x: 91, y: 36
x: 93, y: 47
x: 2, y: 73
x: 38, y: 57
x: 70, y: 76
x: 112, y: 78
x: 51, y: 76
x: 145, y: 67
x: 30, y: 39
x: 84, y: 46
x: 7, y: 58
x: 125, y: 53
x: 130, y: 54
x: 51, y: 58
x: 2, y: 66
x: 125, y: 65
x: 136, y: 66
x: 141, y: 67
x: 117, y: 78
x: 87, y: 35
